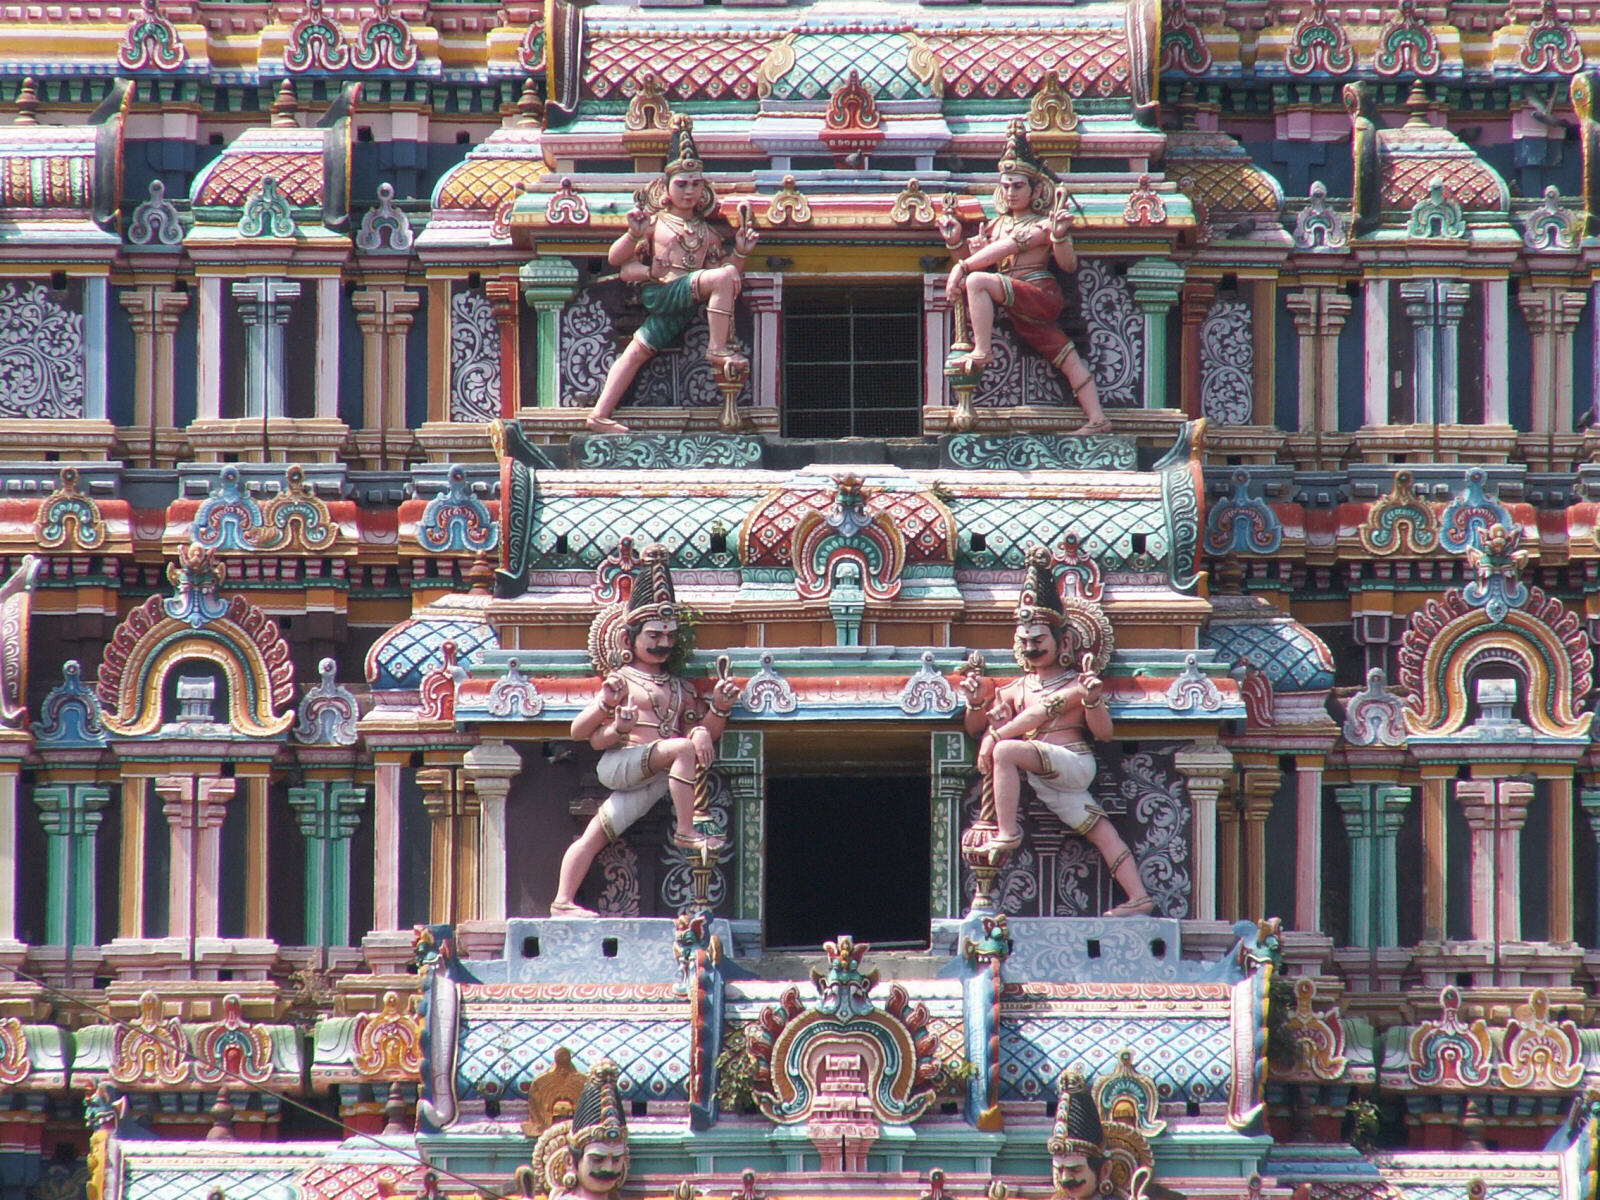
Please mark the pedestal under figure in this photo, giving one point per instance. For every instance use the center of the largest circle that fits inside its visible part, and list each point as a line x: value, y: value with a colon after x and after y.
x: 678, y: 261
x: 1040, y: 725
x: 656, y: 734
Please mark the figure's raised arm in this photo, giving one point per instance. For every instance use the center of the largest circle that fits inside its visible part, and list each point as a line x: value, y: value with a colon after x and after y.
x: 631, y: 246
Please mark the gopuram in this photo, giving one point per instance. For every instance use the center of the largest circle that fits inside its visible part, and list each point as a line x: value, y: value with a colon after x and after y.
x: 812, y: 600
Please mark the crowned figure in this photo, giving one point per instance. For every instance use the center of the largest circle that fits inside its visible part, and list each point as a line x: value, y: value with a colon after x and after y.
x: 1008, y: 265
x: 656, y: 734
x: 586, y: 1158
x: 1040, y: 724
x: 678, y: 260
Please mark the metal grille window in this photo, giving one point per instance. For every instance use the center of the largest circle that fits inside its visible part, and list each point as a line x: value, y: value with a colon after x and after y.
x: 852, y: 364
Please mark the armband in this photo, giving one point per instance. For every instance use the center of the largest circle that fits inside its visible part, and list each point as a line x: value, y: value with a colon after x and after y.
x: 1097, y: 702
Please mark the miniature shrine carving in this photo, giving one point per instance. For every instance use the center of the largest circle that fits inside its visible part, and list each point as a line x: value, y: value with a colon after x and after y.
x: 1010, y: 264
x: 678, y: 260
x: 1040, y: 726
x: 656, y: 735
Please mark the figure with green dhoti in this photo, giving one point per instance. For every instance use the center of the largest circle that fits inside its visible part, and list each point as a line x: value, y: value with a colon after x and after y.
x: 678, y: 260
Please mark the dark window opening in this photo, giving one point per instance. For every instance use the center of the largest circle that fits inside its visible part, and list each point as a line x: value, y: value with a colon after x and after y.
x: 852, y: 364
x: 820, y: 880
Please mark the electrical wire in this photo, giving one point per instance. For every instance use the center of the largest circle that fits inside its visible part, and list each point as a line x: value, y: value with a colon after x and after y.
x: 487, y: 1193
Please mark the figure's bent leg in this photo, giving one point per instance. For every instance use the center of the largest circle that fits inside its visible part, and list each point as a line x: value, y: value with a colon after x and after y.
x: 1084, y: 391
x: 618, y: 380
x: 575, y: 864
x: 721, y: 287
x: 677, y: 757
x: 985, y: 291
x: 1108, y: 841
x: 1011, y: 758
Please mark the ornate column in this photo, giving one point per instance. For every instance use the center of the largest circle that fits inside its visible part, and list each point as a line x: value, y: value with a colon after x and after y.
x: 1207, y: 768
x: 1319, y: 315
x: 548, y: 283
x: 1375, y: 350
x: 1389, y: 804
x: 1260, y: 792
x: 95, y: 291
x: 1157, y: 283
x: 154, y: 311
x: 490, y: 768
x: 1308, y: 843
x: 935, y: 340
x: 386, y: 840
x: 194, y: 808
x: 328, y: 814
x: 1551, y: 313
x: 1355, y: 806
x: 1435, y: 785
x: 1228, y: 865
x: 1372, y: 817
x: 1194, y: 304
x: 1496, y: 380
x: 764, y: 294
x: 327, y: 370
x: 1435, y: 307
x: 264, y: 308
x: 506, y: 302
x: 1560, y: 864
x: 130, y: 909
x: 1495, y: 812
x: 71, y: 814
x: 953, y: 763
x: 384, y: 314
x: 741, y: 757
x: 254, y: 779
x: 453, y: 859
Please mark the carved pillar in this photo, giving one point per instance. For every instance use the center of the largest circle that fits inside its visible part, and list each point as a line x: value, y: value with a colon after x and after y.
x: 1156, y: 283
x: 327, y: 376
x: 1264, y: 345
x: 71, y: 814
x: 1434, y: 872
x: 386, y: 839
x: 1372, y: 817
x: 1496, y: 382
x: 1319, y: 315
x: 8, y: 851
x: 384, y: 314
x: 453, y: 893
x: 1207, y: 768
x: 194, y: 808
x: 154, y: 311
x: 1228, y: 871
x: 328, y: 814
x: 741, y: 758
x: 1355, y: 806
x: 95, y: 290
x: 764, y: 294
x: 548, y: 283
x: 490, y: 767
x: 130, y: 909
x: 1308, y: 843
x: 1559, y: 868
x: 506, y: 302
x: 1389, y: 804
x: 1375, y: 350
x: 954, y: 756
x: 439, y: 318
x: 208, y: 401
x: 935, y: 339
x: 1495, y: 812
x: 1551, y: 313
x: 254, y: 779
x: 1194, y: 304
x: 1435, y: 307
x: 1260, y: 791
x: 264, y: 308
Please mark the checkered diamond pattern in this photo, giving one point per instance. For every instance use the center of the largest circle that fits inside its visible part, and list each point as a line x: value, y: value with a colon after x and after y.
x: 498, y: 1058
x: 1105, y: 529
x: 824, y: 60
x: 414, y: 648
x: 593, y: 525
x: 980, y: 64
x: 350, y: 1181
x: 708, y: 65
x: 230, y: 182
x: 173, y: 1182
x: 1189, y: 1059
x: 1406, y: 179
x: 1291, y: 657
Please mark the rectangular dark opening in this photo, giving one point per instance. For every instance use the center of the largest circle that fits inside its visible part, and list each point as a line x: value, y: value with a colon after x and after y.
x: 1093, y: 949
x: 530, y: 947
x: 608, y: 947
x: 852, y: 363
x: 822, y: 880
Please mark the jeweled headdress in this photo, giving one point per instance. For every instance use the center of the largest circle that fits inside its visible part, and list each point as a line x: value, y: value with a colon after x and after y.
x: 1039, y: 602
x: 1077, y: 1129
x: 1018, y: 157
x: 652, y: 598
x: 598, y: 1117
x: 682, y: 154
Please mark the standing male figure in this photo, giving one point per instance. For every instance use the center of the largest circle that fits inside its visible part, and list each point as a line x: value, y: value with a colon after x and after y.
x: 671, y: 250
x: 1007, y: 265
x: 648, y: 723
x: 1039, y: 724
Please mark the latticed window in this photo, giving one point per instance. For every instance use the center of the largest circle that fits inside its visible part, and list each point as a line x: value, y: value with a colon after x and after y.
x: 852, y: 364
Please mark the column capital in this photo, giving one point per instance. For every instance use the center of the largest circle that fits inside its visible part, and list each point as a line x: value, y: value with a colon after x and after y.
x: 438, y: 790
x: 1490, y: 804
x: 1390, y: 802
x: 153, y: 308
x: 1156, y: 283
x: 1355, y: 806
x: 66, y: 809
x: 265, y: 301
x: 763, y: 291
x: 328, y: 812
x: 1319, y: 309
x: 1206, y: 766
x: 490, y: 767
x: 548, y: 281
x: 504, y: 298
x: 1258, y: 792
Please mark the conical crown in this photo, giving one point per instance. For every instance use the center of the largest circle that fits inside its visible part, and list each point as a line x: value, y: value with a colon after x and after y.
x: 1077, y: 1129
x: 1019, y: 158
x: 599, y: 1117
x: 682, y: 153
x: 652, y: 598
x: 1039, y: 603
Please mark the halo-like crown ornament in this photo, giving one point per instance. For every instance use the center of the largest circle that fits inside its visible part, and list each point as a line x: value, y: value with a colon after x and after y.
x: 1039, y: 603
x: 1077, y: 1129
x: 598, y: 1116
x: 682, y: 154
x: 652, y: 597
x: 1018, y: 157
